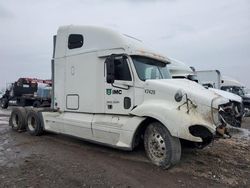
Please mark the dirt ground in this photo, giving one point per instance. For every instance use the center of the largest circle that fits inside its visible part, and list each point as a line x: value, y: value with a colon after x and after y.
x: 60, y: 161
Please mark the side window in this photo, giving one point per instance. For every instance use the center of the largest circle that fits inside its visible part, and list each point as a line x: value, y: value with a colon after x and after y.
x: 152, y: 73
x: 75, y: 41
x: 122, y: 71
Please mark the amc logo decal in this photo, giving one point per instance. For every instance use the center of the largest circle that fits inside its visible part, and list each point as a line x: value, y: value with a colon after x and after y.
x: 114, y: 92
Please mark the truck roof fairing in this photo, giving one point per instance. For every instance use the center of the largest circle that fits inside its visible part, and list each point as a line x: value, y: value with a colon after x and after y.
x: 104, y: 41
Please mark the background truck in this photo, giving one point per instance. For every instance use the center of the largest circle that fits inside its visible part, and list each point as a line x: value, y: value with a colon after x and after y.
x: 109, y: 88
x: 214, y: 79
x: 210, y: 80
x: 28, y: 92
x: 233, y: 86
x: 1, y: 95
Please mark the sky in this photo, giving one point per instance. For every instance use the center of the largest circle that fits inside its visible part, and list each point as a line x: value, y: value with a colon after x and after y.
x: 205, y: 34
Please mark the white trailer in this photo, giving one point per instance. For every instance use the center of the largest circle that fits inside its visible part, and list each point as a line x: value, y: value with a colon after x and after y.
x: 209, y: 78
x: 110, y: 89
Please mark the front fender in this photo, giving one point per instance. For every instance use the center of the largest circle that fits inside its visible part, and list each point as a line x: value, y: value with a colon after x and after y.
x: 176, y: 121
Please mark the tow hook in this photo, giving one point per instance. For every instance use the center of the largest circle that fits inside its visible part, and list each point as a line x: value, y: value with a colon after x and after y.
x: 223, y: 132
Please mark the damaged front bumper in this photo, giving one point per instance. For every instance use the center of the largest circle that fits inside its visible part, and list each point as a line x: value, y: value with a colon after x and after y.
x: 217, y: 126
x: 227, y: 114
x: 231, y: 113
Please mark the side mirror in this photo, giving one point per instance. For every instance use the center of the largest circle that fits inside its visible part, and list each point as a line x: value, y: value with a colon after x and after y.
x: 110, y: 64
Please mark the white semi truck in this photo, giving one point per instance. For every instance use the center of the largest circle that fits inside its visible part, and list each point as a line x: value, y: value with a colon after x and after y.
x: 110, y: 89
x: 234, y: 86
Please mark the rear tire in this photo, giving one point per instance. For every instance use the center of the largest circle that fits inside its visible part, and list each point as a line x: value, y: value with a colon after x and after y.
x: 34, y: 123
x: 18, y: 119
x: 161, y: 148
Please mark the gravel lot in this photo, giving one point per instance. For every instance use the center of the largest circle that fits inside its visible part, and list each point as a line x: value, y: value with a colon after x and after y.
x: 53, y: 160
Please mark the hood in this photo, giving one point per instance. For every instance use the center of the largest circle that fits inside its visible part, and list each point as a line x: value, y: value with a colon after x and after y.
x: 195, y: 92
x: 227, y: 95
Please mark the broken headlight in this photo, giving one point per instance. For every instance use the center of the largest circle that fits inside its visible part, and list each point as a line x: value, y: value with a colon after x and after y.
x: 230, y: 113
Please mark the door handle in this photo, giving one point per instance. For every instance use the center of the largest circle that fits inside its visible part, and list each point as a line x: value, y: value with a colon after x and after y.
x: 127, y: 102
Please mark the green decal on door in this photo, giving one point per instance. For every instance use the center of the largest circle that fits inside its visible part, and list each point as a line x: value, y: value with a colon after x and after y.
x: 114, y: 92
x: 108, y: 91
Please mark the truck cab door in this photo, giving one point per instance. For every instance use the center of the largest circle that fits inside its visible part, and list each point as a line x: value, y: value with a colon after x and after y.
x: 119, y: 95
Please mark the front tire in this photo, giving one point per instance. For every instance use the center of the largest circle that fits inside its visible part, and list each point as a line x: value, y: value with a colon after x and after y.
x: 161, y: 147
x: 34, y: 123
x: 17, y: 119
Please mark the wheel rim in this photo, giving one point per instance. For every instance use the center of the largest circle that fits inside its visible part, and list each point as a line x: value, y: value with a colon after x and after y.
x: 15, y: 120
x: 157, y: 146
x: 32, y: 123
